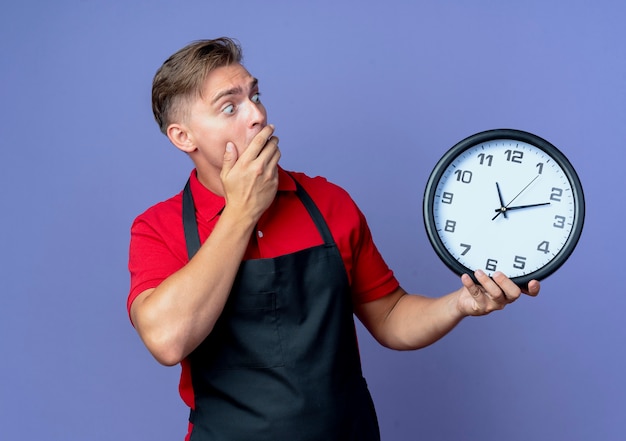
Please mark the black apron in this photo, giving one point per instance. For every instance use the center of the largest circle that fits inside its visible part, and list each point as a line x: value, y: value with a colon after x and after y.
x: 282, y: 361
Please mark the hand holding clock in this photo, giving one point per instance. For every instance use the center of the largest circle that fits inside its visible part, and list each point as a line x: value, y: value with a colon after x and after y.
x: 490, y: 293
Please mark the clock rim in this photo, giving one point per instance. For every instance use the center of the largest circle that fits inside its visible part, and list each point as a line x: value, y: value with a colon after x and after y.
x: 517, y: 135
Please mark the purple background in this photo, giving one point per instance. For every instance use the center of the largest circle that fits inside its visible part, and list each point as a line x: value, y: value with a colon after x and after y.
x: 367, y: 93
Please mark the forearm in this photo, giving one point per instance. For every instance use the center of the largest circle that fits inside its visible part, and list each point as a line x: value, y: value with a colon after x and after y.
x: 404, y: 321
x: 419, y: 321
x: 175, y: 317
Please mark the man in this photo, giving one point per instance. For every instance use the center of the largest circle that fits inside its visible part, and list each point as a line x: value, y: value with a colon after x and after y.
x: 251, y: 276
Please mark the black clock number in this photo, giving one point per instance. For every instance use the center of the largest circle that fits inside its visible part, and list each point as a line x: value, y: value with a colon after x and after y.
x: 514, y: 156
x: 544, y: 247
x: 466, y: 248
x: 446, y: 198
x: 520, y: 262
x: 464, y: 176
x: 450, y: 226
x: 540, y: 167
x: 485, y: 159
x: 556, y: 194
x: 559, y: 221
x: 491, y: 264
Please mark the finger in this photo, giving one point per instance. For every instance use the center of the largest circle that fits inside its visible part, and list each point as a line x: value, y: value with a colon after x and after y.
x: 509, y: 289
x: 268, y: 157
x: 270, y: 146
x: 273, y: 162
x: 259, y: 142
x: 533, y: 288
x: 469, y: 284
x: 491, y: 289
x: 272, y: 151
x: 475, y: 291
x: 230, y: 157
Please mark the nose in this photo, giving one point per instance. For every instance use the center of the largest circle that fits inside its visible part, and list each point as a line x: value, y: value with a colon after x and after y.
x: 256, y: 114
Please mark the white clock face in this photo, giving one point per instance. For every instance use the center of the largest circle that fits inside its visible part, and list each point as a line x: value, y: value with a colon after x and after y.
x: 504, y: 205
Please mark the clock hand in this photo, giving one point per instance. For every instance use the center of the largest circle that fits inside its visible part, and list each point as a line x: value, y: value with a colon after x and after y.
x: 505, y: 208
x: 501, y: 200
x: 519, y: 207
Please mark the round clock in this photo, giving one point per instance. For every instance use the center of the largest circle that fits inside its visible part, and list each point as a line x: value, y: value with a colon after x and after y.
x: 504, y: 200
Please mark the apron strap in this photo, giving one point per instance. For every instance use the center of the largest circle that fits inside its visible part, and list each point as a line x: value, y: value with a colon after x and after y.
x: 315, y: 214
x: 189, y: 222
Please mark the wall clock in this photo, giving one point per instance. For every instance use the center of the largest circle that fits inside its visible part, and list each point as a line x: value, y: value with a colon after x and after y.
x: 504, y: 200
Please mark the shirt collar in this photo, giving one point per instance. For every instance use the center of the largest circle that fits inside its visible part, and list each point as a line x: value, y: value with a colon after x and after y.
x: 209, y: 205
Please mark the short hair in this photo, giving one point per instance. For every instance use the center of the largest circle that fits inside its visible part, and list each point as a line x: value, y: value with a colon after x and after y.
x: 182, y: 76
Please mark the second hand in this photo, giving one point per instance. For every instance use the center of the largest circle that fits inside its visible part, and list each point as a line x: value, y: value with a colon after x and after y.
x: 503, y: 209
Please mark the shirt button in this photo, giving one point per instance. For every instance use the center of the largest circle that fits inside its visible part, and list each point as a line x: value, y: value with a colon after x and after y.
x: 260, y: 233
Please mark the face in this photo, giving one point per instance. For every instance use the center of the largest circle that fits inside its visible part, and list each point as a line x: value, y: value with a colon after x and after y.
x: 228, y: 110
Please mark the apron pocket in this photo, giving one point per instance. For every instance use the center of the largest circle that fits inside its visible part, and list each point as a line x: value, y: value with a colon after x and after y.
x: 247, y: 334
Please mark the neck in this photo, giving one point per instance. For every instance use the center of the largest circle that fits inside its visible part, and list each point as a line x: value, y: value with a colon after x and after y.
x: 211, y: 181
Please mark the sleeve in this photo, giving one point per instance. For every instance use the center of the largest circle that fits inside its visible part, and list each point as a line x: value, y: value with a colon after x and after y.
x: 153, y: 255
x: 371, y: 276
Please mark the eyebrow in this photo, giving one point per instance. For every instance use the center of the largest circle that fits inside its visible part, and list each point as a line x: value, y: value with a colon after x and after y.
x: 234, y: 91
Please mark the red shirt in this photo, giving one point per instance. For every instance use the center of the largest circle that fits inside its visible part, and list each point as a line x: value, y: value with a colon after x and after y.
x: 158, y: 249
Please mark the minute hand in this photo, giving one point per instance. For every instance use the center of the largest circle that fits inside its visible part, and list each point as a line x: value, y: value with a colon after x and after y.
x: 519, y: 207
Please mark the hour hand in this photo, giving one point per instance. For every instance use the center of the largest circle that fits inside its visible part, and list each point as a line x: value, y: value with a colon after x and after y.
x: 502, y: 208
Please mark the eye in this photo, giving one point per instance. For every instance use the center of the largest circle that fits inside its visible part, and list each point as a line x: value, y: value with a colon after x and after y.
x: 256, y: 98
x: 229, y: 109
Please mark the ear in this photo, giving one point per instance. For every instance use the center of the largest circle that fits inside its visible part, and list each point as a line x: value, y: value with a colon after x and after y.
x: 180, y: 136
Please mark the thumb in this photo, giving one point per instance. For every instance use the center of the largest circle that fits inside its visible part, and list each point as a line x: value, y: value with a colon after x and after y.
x: 230, y: 157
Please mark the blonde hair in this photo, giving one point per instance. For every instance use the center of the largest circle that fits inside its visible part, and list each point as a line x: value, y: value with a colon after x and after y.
x: 182, y: 76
